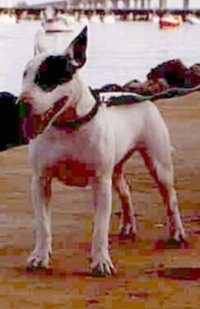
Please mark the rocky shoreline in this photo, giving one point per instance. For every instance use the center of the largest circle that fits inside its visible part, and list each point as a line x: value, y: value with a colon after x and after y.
x: 168, y: 75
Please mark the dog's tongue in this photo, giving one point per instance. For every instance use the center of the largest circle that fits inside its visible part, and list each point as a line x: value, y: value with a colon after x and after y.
x: 32, y: 124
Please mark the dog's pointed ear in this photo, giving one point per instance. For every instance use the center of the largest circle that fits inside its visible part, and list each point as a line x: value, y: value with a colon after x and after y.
x: 77, y: 49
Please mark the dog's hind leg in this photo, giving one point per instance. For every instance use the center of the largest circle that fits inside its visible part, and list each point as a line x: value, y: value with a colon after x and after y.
x: 127, y: 228
x: 41, y: 194
x: 161, y: 168
x: 102, y: 194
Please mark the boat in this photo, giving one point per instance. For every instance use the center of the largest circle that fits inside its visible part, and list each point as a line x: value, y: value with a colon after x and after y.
x: 170, y: 21
x: 55, y: 23
x: 192, y: 19
x: 7, y: 19
x: 69, y: 18
x: 83, y: 19
x: 109, y: 18
x: 95, y: 19
x: 154, y: 18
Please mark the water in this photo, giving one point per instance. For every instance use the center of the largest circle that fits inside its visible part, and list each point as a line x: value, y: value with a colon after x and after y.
x: 117, y: 53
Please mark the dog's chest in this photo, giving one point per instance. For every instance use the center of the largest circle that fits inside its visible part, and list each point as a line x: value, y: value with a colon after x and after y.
x: 73, y: 173
x: 73, y: 161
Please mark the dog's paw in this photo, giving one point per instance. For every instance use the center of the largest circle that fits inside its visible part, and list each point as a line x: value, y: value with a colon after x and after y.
x: 103, y: 271
x: 98, y: 272
x: 126, y: 232
x: 102, y: 267
x: 176, y: 243
x: 36, y: 264
x: 38, y: 261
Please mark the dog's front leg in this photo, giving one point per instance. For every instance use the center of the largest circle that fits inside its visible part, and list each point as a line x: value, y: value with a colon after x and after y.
x: 101, y: 261
x: 41, y: 193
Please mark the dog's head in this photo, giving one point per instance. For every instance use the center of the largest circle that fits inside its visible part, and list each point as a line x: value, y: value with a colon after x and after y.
x: 50, y: 81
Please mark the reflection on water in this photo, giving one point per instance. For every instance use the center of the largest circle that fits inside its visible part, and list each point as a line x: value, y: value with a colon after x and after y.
x: 116, y: 53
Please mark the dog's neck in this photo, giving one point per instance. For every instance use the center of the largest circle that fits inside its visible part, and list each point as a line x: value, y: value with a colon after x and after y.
x: 83, y: 98
x: 80, y: 108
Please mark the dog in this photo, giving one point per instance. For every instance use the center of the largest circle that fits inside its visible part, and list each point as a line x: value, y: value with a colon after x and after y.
x: 81, y: 142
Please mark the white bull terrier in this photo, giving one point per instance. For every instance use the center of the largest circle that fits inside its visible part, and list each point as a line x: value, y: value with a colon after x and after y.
x: 81, y: 142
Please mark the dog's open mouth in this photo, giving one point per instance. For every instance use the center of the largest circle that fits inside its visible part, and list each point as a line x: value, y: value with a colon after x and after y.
x: 32, y: 124
x: 67, y: 119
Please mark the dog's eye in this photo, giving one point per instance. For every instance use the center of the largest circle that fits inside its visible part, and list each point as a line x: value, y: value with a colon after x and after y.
x: 53, y: 71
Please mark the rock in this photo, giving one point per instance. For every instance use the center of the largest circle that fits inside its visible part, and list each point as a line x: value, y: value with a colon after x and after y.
x: 133, y: 86
x: 176, y: 74
x: 109, y: 88
x: 195, y: 68
x: 153, y: 86
x: 9, y: 121
x: 149, y: 87
x: 167, y: 75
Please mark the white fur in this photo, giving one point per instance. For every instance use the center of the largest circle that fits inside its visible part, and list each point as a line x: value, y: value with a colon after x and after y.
x: 99, y: 149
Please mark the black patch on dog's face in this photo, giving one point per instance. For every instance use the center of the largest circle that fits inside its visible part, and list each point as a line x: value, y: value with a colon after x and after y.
x: 53, y: 71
